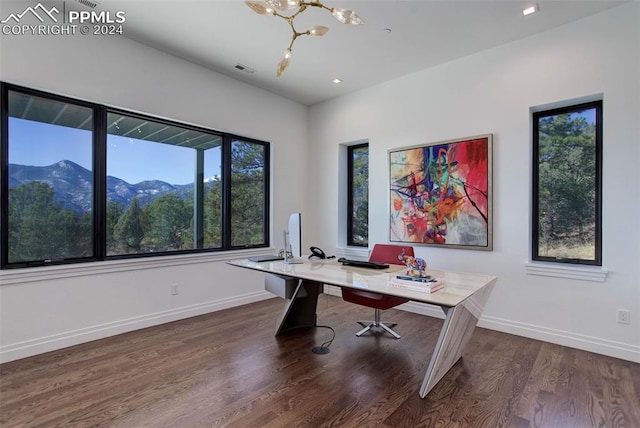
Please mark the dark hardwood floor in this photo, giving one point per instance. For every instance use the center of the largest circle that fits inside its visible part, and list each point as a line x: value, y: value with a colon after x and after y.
x: 227, y: 369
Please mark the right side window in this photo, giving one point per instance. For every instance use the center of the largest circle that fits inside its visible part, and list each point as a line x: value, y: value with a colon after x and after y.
x: 358, y: 198
x: 567, y: 184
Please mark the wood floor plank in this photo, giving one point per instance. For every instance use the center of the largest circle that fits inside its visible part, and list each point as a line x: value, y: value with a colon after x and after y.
x: 226, y: 369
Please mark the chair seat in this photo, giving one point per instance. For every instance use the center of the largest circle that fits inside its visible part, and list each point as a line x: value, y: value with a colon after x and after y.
x: 381, y: 253
x: 372, y: 300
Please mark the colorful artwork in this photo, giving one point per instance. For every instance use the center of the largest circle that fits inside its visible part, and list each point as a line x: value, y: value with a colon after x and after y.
x: 441, y: 194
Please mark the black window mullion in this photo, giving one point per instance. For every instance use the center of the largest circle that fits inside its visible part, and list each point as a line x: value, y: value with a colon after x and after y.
x: 4, y: 174
x: 267, y: 194
x: 598, y: 172
x: 226, y: 193
x: 100, y: 182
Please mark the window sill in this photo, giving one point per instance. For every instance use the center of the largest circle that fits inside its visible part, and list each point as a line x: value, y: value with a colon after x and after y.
x: 353, y: 252
x: 46, y: 273
x: 584, y: 273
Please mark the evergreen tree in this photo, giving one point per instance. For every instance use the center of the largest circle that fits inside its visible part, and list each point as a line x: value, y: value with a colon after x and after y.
x: 167, y: 223
x: 81, y: 231
x: 566, y: 186
x: 360, y: 219
x: 213, y: 215
x: 129, y: 231
x: 247, y: 178
x: 114, y: 211
x: 40, y: 228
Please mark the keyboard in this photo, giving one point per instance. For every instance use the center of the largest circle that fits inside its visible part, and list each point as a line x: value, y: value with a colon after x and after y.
x: 260, y: 259
x: 362, y: 264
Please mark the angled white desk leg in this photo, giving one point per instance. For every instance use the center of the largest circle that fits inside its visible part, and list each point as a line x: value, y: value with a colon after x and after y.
x: 459, y: 323
x: 300, y: 309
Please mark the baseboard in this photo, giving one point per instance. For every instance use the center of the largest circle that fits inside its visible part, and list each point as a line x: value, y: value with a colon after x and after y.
x: 58, y: 341
x: 51, y: 343
x: 596, y: 345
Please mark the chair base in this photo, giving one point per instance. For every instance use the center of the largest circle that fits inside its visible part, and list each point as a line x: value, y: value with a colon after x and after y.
x: 368, y: 325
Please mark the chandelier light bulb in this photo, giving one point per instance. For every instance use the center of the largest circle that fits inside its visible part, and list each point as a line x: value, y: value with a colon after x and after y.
x: 284, y: 4
x: 318, y: 30
x: 284, y: 62
x: 346, y: 16
x: 259, y: 7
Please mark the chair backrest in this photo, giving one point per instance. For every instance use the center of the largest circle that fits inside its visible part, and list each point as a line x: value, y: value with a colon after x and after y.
x: 387, y: 253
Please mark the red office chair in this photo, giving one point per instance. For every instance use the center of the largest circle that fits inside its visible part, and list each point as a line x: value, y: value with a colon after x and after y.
x: 381, y: 253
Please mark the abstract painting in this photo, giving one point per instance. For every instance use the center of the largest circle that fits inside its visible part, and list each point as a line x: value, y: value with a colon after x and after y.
x: 440, y: 193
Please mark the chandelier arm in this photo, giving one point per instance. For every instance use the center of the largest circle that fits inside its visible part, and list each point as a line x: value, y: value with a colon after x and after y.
x: 295, y: 33
x: 303, y: 7
x: 314, y: 4
x: 279, y: 15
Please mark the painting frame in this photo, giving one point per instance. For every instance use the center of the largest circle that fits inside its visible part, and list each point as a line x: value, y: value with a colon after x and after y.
x: 441, y: 193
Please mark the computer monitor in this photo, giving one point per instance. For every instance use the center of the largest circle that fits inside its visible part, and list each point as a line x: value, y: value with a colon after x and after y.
x: 293, y: 239
x: 295, y: 234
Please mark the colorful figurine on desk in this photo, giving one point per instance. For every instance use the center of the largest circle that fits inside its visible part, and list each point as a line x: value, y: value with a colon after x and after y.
x: 415, y: 265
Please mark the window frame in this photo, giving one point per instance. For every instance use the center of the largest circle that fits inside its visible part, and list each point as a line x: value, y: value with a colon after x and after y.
x: 535, y: 219
x: 99, y: 140
x: 350, y: 202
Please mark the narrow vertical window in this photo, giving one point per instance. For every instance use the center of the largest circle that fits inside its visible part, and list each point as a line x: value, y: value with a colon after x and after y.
x: 567, y: 183
x: 249, y: 193
x: 50, y: 180
x: 358, y: 195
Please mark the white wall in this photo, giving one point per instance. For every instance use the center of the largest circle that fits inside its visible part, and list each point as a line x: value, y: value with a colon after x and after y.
x: 492, y: 92
x: 52, y: 307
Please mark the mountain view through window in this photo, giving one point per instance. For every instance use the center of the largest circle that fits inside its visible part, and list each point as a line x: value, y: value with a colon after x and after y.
x: 163, y: 187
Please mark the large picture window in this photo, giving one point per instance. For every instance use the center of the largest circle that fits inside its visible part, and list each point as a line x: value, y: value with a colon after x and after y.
x: 567, y: 183
x: 84, y: 182
x: 358, y: 195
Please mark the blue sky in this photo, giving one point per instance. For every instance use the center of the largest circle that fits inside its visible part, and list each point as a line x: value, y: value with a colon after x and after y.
x: 589, y: 115
x: 41, y: 144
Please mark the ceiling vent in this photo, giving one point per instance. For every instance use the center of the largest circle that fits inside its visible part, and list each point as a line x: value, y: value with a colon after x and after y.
x: 244, y: 68
x: 88, y: 3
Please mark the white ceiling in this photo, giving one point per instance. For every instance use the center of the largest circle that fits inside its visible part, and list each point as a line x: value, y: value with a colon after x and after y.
x: 220, y: 34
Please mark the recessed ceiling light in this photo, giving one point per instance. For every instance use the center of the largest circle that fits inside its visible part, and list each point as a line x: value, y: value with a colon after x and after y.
x: 336, y: 80
x: 530, y: 10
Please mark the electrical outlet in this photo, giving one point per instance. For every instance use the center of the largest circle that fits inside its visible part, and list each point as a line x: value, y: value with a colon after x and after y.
x: 624, y: 316
x: 174, y: 289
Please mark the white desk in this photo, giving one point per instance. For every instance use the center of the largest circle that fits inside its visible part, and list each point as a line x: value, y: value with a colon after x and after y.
x: 462, y: 299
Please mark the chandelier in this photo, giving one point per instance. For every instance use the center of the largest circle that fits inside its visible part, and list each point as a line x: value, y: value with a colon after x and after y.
x: 295, y: 8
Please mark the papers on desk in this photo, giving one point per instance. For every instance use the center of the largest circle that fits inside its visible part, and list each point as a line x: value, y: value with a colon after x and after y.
x: 418, y: 284
x: 360, y: 281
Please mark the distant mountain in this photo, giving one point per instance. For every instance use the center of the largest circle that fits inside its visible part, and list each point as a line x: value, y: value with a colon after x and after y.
x: 146, y: 191
x: 73, y: 184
